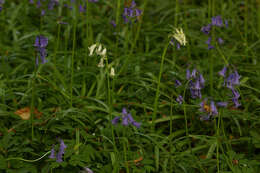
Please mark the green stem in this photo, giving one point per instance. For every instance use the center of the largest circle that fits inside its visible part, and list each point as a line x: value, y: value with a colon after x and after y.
x: 158, y: 86
x: 117, y: 22
x: 185, y: 114
x: 171, y: 151
x: 258, y: 16
x: 33, y: 98
x: 83, y: 89
x: 176, y: 13
x: 109, y: 102
x: 57, y: 44
x: 211, y: 53
x: 125, y: 155
x: 25, y: 160
x: 218, y: 143
x: 72, y: 62
x: 246, y: 26
x: 77, y: 141
x: 222, y: 55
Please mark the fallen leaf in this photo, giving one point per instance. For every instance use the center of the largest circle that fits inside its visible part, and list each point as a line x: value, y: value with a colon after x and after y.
x: 138, y: 160
x: 25, y: 113
x: 12, y: 130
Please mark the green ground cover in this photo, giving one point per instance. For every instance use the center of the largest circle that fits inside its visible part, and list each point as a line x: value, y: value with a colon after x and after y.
x: 121, y: 86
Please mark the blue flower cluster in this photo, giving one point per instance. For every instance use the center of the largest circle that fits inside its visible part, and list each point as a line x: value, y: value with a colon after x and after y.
x: 127, y: 119
x: 217, y: 22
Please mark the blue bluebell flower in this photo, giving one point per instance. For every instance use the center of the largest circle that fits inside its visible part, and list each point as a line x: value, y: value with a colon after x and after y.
x: 177, y: 83
x: 217, y: 21
x: 61, y: 151
x: 127, y: 119
x: 223, y: 71
x: 222, y: 104
x: 131, y: 13
x: 179, y: 99
x: 41, y: 43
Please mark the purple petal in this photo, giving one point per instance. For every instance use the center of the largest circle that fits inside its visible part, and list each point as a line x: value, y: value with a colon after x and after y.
x: 223, y: 71
x: 136, y: 124
x: 220, y: 40
x: 52, y: 155
x: 115, y: 120
x: 177, y: 83
x: 179, y: 99
x: 222, y: 104
x: 124, y: 112
x: 213, y: 108
x: 188, y: 76
x: 193, y: 73
x: 125, y: 120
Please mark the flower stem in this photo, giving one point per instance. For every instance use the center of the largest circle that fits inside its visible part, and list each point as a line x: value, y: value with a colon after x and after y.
x: 72, y: 62
x: 25, y: 160
x: 158, y: 86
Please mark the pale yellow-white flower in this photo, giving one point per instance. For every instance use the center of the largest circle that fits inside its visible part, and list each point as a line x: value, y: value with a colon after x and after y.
x: 112, y: 72
x: 102, y: 53
x: 101, y: 63
x: 97, y: 48
x: 91, y: 49
x: 179, y: 36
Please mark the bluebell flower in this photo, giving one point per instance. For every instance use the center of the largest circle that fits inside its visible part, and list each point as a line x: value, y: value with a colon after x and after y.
x: 42, y: 12
x: 113, y: 23
x: 226, y: 23
x: 38, y: 4
x: 196, y: 83
x: 213, y: 109
x: 201, y: 81
x: 235, y: 93
x: 131, y: 12
x: 177, y: 83
x: 206, y: 29
x: 179, y: 99
x: 40, y: 43
x: 127, y: 119
x: 220, y: 40
x: 61, y: 151
x: 223, y: 71
x: 136, y: 124
x: 53, y: 154
x: 52, y: 4
x: 222, y: 104
x: 82, y: 9
x: 193, y: 73
x: 210, y: 110
x: 208, y: 42
x: 188, y: 75
x: 235, y: 101
x: 217, y: 21
x: 232, y: 80
x: 115, y: 120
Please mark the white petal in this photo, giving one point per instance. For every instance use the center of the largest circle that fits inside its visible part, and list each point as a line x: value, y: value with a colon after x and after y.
x: 112, y: 72
x: 91, y: 49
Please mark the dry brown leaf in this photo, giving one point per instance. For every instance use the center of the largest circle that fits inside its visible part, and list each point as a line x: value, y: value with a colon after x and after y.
x: 25, y: 113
